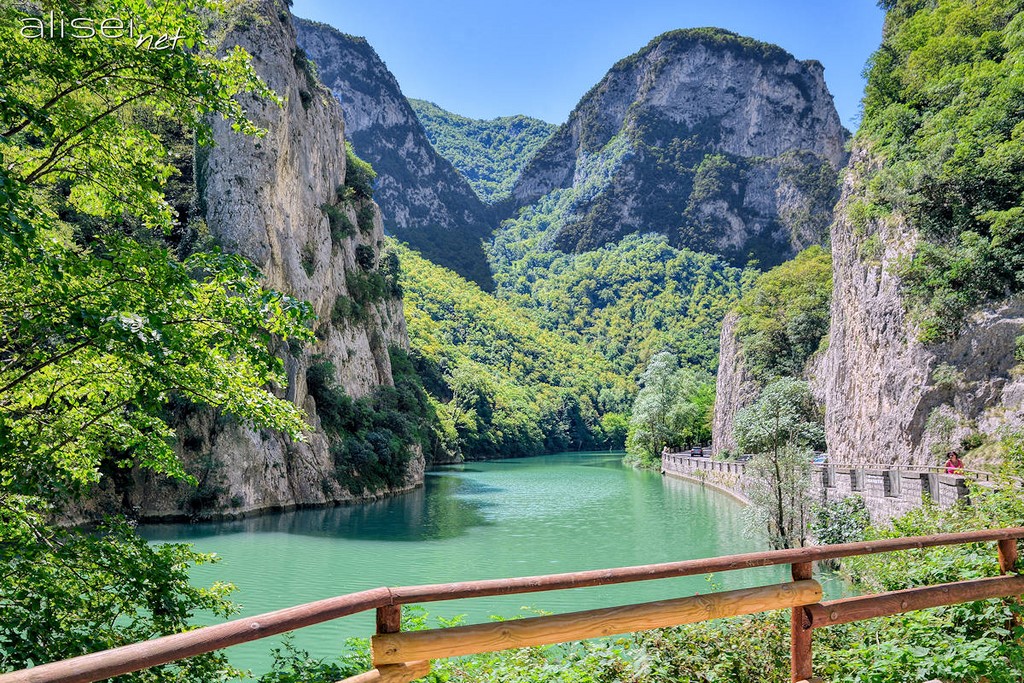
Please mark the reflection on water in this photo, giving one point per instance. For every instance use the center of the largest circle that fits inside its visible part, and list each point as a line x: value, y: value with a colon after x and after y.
x: 494, y: 519
x: 445, y: 507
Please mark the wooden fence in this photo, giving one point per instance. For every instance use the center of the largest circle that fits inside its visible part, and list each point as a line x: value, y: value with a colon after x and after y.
x: 405, y: 656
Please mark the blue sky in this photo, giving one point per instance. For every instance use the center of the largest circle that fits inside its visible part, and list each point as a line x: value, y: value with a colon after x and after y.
x: 485, y: 59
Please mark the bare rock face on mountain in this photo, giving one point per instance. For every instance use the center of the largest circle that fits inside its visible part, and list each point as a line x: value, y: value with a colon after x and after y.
x: 723, y: 143
x: 423, y: 199
x: 269, y: 199
x: 735, y: 388
x: 890, y: 398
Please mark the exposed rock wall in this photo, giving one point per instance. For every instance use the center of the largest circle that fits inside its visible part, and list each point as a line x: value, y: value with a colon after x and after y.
x: 263, y: 200
x: 735, y: 389
x: 656, y: 116
x: 889, y: 398
x: 423, y: 199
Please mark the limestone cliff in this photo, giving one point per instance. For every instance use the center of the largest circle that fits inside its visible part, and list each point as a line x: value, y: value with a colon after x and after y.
x: 424, y: 200
x: 723, y: 143
x: 268, y: 199
x: 734, y: 387
x: 890, y: 398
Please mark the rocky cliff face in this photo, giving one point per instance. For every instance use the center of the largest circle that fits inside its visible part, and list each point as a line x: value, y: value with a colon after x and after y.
x: 423, y: 199
x: 734, y: 387
x: 265, y: 199
x: 889, y: 398
x: 725, y: 144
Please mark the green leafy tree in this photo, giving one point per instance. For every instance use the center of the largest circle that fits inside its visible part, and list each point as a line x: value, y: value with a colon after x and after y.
x: 672, y: 408
x: 784, y: 317
x: 113, y: 318
x: 781, y: 427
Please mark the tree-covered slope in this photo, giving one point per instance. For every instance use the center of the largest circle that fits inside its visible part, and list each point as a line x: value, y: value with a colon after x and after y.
x: 943, y: 107
x: 628, y: 300
x: 490, y: 154
x: 722, y: 143
x: 502, y: 385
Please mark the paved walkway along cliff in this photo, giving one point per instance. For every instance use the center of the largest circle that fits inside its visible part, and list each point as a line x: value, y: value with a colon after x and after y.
x: 887, y: 490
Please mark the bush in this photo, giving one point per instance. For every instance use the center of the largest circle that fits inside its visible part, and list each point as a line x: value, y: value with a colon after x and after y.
x: 947, y: 376
x: 365, y: 218
x: 366, y: 258
x: 359, y: 174
x: 341, y: 226
x: 840, y: 521
x: 370, y: 437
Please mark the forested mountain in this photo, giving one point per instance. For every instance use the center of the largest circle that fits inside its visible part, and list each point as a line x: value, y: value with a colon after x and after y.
x: 501, y: 385
x: 722, y: 143
x: 424, y: 201
x: 490, y: 154
x: 628, y: 300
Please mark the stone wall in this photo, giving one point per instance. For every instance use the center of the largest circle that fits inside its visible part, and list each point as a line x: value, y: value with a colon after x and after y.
x: 888, y: 492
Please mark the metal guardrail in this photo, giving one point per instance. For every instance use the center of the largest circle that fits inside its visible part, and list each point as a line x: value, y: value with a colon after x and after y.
x: 403, y: 657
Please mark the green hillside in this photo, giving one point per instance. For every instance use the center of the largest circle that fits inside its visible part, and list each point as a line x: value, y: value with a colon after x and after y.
x: 628, y: 300
x: 489, y: 154
x: 500, y: 384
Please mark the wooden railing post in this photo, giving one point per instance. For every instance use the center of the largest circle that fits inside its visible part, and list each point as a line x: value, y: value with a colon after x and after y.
x: 389, y: 619
x: 1008, y: 555
x: 800, y: 631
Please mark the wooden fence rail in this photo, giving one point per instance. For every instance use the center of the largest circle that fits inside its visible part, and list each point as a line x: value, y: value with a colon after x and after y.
x: 402, y: 657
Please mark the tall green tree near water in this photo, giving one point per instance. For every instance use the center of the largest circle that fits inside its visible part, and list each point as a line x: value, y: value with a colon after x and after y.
x: 673, y: 408
x: 781, y: 427
x: 110, y: 316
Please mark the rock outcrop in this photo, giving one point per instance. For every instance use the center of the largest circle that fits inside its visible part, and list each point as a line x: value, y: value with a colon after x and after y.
x: 424, y: 200
x: 890, y: 398
x: 723, y: 143
x: 735, y: 388
x: 265, y: 199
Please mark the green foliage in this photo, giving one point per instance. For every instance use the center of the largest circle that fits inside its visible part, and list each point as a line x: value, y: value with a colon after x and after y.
x: 293, y: 665
x: 1018, y: 349
x: 785, y: 315
x: 781, y: 427
x: 840, y: 521
x: 673, y: 408
x: 488, y: 154
x: 785, y: 414
x: 628, y: 300
x: 114, y: 309
x: 947, y: 376
x: 370, y: 437
x: 339, y: 222
x: 501, y: 384
x: 365, y: 217
x: 366, y: 257
x: 942, y: 108
x: 308, y: 260
x: 67, y: 593
x: 359, y: 174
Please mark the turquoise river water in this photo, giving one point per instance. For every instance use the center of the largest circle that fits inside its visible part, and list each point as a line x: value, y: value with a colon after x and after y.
x: 482, y: 520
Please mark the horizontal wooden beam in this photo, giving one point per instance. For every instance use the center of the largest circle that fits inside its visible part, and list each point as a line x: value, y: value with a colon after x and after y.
x: 392, y: 673
x: 885, y: 604
x: 666, y: 570
x: 561, y: 628
x: 121, y: 660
